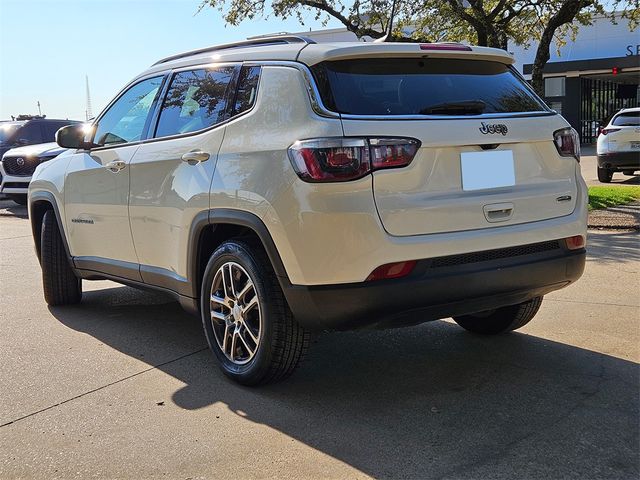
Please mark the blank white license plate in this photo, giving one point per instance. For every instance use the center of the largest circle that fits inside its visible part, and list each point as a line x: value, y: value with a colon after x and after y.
x: 491, y: 169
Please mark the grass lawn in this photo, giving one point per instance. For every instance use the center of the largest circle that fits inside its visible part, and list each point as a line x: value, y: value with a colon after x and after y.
x: 603, y: 197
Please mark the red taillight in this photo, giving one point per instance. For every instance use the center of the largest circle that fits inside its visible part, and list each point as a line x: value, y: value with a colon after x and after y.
x: 445, y: 46
x: 567, y: 142
x: 392, y: 270
x: 343, y: 159
x: 575, y: 243
x: 604, y: 131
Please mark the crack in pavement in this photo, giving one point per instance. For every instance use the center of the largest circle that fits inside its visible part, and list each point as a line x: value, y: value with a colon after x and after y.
x: 591, y: 303
x: 154, y: 367
x: 13, y: 238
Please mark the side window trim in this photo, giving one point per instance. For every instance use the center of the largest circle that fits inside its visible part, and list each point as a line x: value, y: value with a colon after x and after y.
x: 150, y: 125
x: 129, y: 86
x: 232, y: 111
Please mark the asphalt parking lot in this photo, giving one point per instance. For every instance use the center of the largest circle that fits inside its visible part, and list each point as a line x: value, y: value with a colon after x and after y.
x: 123, y: 386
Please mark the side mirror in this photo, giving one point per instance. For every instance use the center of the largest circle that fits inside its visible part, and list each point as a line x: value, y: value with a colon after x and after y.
x: 73, y: 136
x: 21, y: 142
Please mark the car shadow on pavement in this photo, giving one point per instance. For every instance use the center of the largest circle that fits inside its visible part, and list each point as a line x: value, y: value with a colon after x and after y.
x: 431, y: 401
x: 613, y: 247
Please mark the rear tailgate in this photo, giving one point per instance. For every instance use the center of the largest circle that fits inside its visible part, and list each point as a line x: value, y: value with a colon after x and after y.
x: 487, y: 155
x: 428, y: 196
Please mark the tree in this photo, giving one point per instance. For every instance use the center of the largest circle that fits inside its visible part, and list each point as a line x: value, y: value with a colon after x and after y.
x: 482, y: 22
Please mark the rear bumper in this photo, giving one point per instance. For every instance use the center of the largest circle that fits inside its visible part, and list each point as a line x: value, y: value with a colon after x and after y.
x: 432, y: 293
x: 620, y: 160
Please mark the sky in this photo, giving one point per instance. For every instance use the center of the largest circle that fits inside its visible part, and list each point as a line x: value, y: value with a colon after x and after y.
x: 47, y: 47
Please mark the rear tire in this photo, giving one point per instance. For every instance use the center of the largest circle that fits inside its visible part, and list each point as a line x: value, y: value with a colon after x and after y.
x: 605, y: 175
x: 20, y: 199
x: 60, y: 285
x: 245, y: 316
x: 501, y: 320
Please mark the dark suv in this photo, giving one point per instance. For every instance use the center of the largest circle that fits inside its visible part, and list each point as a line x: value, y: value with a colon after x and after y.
x: 28, y: 130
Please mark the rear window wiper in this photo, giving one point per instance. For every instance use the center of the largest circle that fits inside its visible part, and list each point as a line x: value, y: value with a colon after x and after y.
x: 465, y: 107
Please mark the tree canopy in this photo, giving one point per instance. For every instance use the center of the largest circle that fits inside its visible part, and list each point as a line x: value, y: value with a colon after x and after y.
x: 481, y: 22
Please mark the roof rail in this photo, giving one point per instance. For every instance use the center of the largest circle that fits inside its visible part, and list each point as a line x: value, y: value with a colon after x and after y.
x: 251, y: 42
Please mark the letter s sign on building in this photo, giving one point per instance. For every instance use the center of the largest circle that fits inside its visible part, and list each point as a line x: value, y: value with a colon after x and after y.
x: 630, y: 49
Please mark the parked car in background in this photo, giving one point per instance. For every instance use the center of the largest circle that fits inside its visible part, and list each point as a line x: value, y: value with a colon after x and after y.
x: 29, y: 130
x: 18, y: 164
x: 619, y: 145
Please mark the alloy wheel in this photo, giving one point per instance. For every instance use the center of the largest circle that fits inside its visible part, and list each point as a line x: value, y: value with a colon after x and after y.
x: 235, y: 313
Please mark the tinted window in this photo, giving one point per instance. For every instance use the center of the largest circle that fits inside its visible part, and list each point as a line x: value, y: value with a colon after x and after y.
x: 627, y: 119
x: 30, y: 134
x: 50, y: 129
x: 126, y: 118
x: 404, y: 86
x: 196, y: 99
x: 247, y: 89
x: 8, y: 131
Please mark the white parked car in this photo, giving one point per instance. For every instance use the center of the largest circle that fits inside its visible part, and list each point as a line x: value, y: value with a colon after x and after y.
x: 619, y: 145
x: 277, y: 186
x: 18, y: 164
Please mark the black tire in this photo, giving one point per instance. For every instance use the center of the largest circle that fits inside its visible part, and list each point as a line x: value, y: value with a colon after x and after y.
x: 20, y: 199
x: 282, y: 341
x: 605, y: 175
x: 501, y: 320
x: 61, y: 286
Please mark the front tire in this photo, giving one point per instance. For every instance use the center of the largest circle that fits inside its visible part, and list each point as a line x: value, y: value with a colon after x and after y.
x: 60, y: 285
x: 245, y: 316
x: 605, y: 175
x: 501, y: 320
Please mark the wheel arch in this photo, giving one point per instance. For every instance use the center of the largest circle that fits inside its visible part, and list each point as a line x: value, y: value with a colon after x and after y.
x: 211, y: 228
x: 39, y: 203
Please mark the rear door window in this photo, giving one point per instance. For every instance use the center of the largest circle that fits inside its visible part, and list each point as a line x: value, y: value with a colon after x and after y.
x: 426, y: 86
x: 196, y: 99
x: 627, y: 119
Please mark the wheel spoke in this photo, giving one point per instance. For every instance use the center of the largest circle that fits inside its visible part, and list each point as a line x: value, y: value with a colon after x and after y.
x: 245, y: 290
x: 244, y: 342
x: 224, y: 341
x: 218, y: 315
x: 248, y: 330
x: 233, y: 346
x: 220, y: 301
x: 252, y: 303
x: 230, y: 289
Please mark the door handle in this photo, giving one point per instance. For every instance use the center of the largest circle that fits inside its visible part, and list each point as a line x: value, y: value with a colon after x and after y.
x: 116, y: 165
x: 195, y: 157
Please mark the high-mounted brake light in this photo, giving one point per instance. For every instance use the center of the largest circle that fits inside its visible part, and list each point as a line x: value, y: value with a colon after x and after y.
x: 343, y: 159
x: 445, y: 46
x: 567, y: 142
x: 604, y: 131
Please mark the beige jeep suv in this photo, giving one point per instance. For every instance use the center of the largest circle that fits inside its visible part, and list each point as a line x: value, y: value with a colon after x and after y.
x: 278, y: 187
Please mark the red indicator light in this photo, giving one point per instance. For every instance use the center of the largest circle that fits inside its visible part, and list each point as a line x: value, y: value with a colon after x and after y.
x: 575, y: 243
x: 445, y: 46
x: 392, y: 270
x: 614, y: 70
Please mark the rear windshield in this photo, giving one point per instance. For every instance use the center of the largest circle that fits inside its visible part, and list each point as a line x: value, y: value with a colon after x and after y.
x: 627, y: 119
x: 407, y: 86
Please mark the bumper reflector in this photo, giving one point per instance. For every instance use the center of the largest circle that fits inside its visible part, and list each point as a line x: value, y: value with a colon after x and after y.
x: 392, y: 270
x: 576, y: 242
